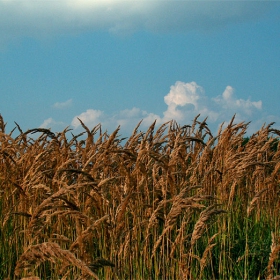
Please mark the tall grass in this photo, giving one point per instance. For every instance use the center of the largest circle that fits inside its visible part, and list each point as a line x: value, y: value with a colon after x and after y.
x: 174, y: 202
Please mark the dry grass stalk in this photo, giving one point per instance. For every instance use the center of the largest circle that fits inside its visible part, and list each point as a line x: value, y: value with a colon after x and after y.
x: 30, y: 278
x: 59, y: 191
x: 206, y: 254
x: 48, y: 251
x: 86, y: 234
x: 275, y: 249
x: 204, y: 217
x: 254, y: 201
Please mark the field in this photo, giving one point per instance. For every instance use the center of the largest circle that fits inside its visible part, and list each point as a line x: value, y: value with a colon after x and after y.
x: 173, y: 202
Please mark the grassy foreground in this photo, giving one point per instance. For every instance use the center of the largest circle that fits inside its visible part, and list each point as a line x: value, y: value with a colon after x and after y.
x: 169, y: 203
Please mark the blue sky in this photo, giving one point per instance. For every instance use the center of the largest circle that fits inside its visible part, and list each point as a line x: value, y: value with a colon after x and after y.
x: 117, y: 62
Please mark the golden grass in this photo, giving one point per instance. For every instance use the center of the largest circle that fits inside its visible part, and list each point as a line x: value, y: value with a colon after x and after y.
x: 170, y: 203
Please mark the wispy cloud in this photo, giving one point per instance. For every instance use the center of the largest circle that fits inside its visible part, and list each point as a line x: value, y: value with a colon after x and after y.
x: 129, y: 118
x: 184, y: 102
x: 47, y: 18
x: 50, y: 123
x: 63, y: 105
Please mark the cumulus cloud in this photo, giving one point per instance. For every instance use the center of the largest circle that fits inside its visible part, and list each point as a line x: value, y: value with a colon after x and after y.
x: 227, y: 101
x: 90, y: 118
x: 47, y: 18
x: 183, y: 93
x: 184, y: 102
x: 63, y: 105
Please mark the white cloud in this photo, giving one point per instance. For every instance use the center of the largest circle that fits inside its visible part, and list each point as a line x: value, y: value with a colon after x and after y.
x: 229, y: 103
x: 150, y: 118
x: 51, y: 123
x: 183, y: 93
x: 47, y: 18
x: 129, y: 118
x: 90, y: 118
x: 63, y: 105
x: 182, y: 98
x: 184, y: 102
x: 47, y: 123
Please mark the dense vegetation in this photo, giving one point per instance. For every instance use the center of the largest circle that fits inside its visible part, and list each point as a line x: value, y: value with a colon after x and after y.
x: 169, y: 203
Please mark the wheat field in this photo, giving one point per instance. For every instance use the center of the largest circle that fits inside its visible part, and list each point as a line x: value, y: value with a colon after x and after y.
x: 173, y: 202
